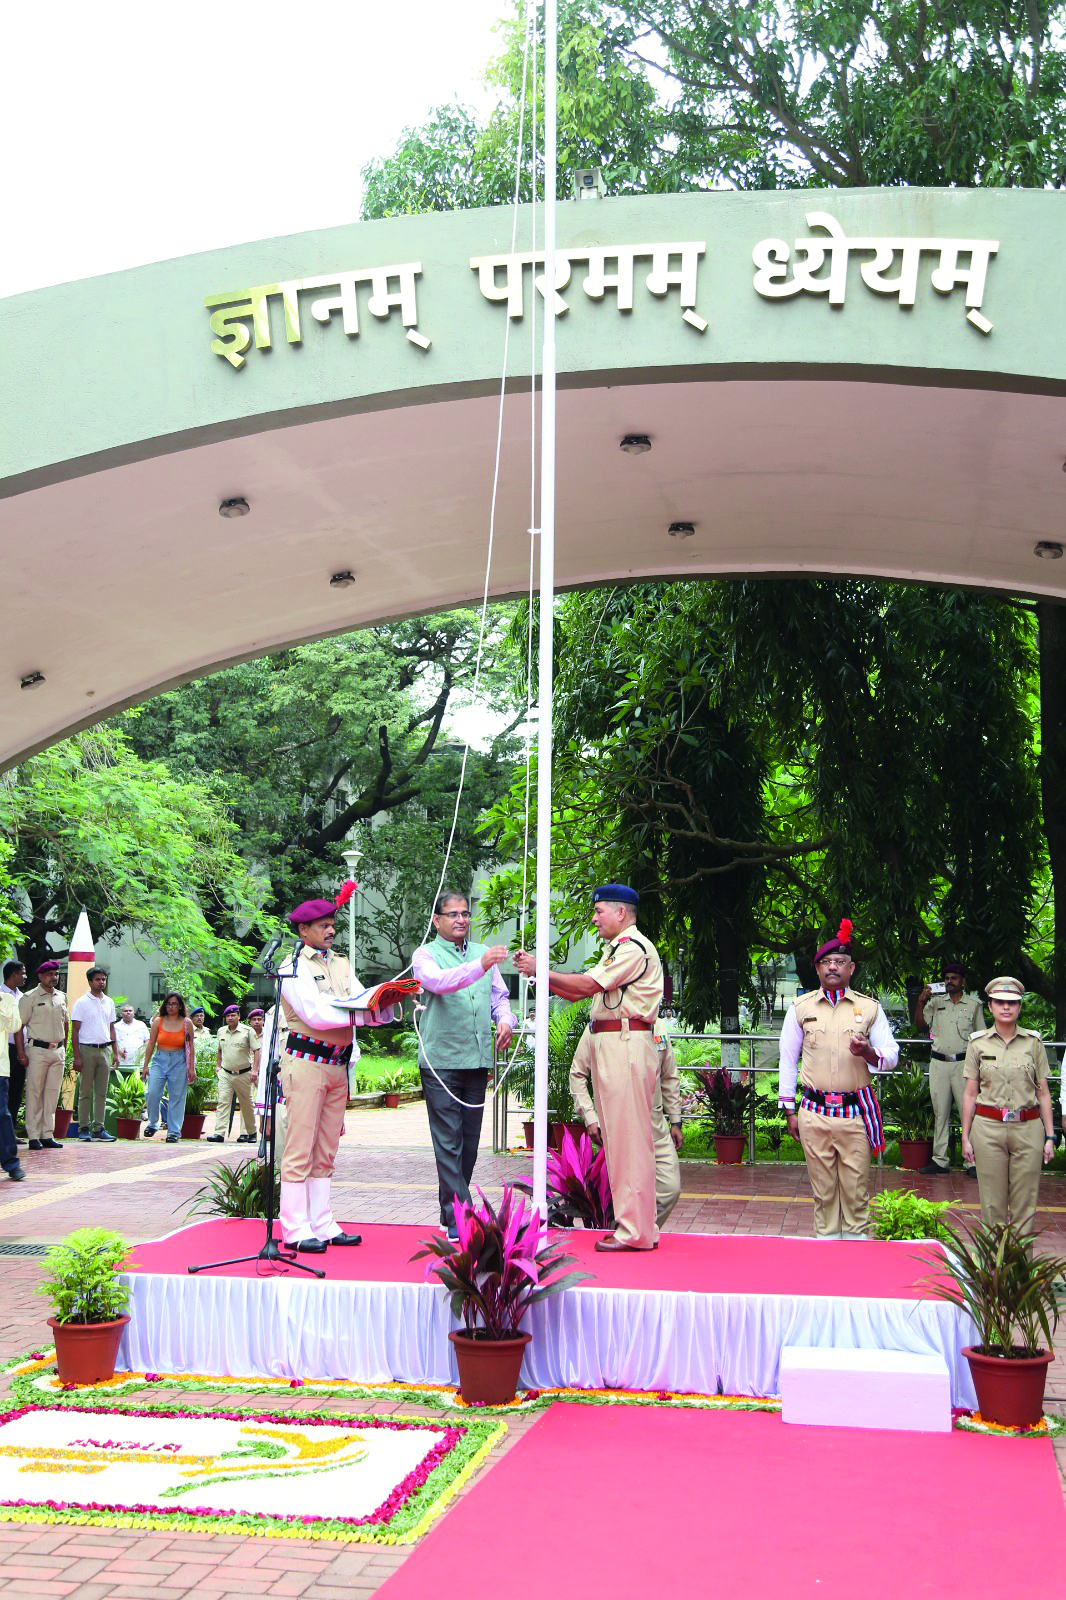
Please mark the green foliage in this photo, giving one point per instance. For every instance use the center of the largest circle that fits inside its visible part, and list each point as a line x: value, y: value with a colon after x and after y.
x: 566, y: 1024
x: 239, y: 1190
x: 92, y: 824
x: 10, y: 919
x: 81, y: 1276
x: 126, y: 1095
x: 906, y: 1102
x: 996, y: 1276
x: 902, y: 1214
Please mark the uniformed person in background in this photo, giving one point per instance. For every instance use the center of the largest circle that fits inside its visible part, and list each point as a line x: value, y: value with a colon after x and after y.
x: 665, y: 1116
x: 44, y: 1032
x: 626, y: 989
x: 235, y: 1062
x: 832, y: 1038
x: 1008, y: 1126
x: 951, y: 1018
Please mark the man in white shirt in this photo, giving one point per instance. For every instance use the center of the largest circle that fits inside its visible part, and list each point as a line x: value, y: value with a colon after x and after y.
x: 95, y: 1050
x: 131, y: 1036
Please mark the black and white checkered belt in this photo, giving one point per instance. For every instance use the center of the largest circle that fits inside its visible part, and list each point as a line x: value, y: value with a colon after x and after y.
x: 304, y: 1048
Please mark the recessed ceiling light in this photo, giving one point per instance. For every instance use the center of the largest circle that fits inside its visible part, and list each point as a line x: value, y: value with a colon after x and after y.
x: 342, y: 580
x: 635, y: 444
x: 237, y: 507
x: 681, y: 530
x: 32, y: 680
x: 1048, y: 550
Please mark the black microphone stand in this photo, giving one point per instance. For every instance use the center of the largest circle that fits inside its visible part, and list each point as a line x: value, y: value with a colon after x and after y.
x: 271, y: 1250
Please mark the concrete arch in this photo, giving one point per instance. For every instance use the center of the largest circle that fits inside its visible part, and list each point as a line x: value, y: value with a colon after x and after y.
x: 870, y: 436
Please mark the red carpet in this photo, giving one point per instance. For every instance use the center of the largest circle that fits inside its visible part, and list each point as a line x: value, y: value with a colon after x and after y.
x: 697, y: 1263
x: 715, y: 1503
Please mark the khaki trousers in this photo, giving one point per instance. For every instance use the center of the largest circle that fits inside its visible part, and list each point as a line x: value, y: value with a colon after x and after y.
x: 240, y: 1084
x: 1008, y: 1156
x: 667, y: 1166
x: 44, y: 1079
x: 945, y: 1084
x: 92, y: 1086
x: 625, y: 1072
x: 316, y: 1095
x: 837, y: 1153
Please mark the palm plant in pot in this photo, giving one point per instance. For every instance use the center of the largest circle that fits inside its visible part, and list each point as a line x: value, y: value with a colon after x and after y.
x: 907, y: 1104
x: 202, y: 1087
x: 126, y: 1098
x: 89, y: 1303
x: 566, y: 1024
x: 499, y: 1266
x: 1008, y: 1290
x: 392, y: 1085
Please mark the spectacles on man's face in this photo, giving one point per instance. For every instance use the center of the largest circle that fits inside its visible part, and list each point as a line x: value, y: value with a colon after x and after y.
x: 455, y: 916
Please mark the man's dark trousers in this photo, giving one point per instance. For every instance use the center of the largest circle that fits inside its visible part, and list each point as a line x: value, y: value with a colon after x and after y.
x: 455, y: 1131
x: 9, y: 1154
x: 16, y: 1083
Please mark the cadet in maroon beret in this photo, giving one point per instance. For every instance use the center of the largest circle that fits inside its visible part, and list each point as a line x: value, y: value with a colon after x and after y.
x: 314, y: 1075
x: 835, y: 1038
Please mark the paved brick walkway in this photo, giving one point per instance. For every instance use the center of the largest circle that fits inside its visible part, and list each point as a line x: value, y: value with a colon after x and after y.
x: 384, y: 1174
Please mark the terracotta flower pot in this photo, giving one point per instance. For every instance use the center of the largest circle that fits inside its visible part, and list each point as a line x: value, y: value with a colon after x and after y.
x: 86, y: 1352
x: 729, y: 1149
x: 127, y: 1127
x: 488, y: 1368
x: 527, y: 1129
x: 1009, y: 1391
x: 914, y: 1154
x: 62, y: 1123
x: 392, y: 1102
x: 192, y: 1124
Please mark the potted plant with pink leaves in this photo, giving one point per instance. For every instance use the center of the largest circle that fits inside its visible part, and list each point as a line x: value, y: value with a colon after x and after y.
x: 578, y: 1186
x: 500, y: 1265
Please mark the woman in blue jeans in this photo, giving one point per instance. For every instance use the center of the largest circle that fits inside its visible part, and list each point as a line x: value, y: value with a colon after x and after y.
x: 171, y: 1049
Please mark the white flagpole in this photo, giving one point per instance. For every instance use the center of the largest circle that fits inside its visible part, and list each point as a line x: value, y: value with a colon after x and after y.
x: 547, y: 597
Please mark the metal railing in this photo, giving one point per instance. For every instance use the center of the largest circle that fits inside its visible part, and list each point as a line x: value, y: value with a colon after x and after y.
x: 913, y: 1050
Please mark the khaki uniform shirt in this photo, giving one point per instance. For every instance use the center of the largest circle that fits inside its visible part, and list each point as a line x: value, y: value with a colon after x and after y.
x: 632, y: 977
x: 237, y: 1046
x: 667, y: 1090
x: 325, y: 974
x: 1007, y: 1073
x: 951, y: 1022
x: 44, y: 1016
x: 826, y: 1061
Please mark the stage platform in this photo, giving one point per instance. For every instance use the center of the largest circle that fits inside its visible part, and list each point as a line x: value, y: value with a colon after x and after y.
x: 703, y: 1313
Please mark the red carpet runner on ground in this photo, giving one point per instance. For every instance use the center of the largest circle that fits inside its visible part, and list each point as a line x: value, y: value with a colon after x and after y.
x: 632, y: 1505
x: 697, y: 1263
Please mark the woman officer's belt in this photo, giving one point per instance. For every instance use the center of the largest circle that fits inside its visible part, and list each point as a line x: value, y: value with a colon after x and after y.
x: 304, y: 1048
x: 616, y: 1025
x: 1001, y: 1114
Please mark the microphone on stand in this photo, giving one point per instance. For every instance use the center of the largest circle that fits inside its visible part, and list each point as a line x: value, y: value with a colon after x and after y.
x: 266, y: 960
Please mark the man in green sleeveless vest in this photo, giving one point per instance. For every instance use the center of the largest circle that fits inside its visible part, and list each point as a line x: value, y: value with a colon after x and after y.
x: 462, y: 1002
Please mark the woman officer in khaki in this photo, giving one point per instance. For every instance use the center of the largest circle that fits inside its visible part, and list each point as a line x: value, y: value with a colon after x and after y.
x: 1007, y: 1104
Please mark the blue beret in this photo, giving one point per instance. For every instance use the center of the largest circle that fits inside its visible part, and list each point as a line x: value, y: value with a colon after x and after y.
x: 198, y: 1011
x: 617, y: 891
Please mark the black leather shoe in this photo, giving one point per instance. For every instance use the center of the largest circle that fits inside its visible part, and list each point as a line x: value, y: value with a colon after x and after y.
x: 971, y: 1172
x: 310, y: 1247
x: 346, y: 1238
x: 150, y: 1132
x: 51, y: 1144
x: 173, y: 1138
x: 932, y: 1170
x: 246, y: 1138
x: 215, y: 1138
x: 16, y: 1174
x: 33, y: 1144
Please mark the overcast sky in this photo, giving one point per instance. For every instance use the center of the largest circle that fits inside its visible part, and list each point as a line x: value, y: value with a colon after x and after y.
x: 134, y: 132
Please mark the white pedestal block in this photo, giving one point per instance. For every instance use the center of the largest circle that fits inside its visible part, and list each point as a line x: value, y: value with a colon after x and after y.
x: 865, y: 1389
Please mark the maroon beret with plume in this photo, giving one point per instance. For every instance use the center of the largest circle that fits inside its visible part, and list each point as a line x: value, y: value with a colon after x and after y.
x: 841, y: 944
x: 315, y: 910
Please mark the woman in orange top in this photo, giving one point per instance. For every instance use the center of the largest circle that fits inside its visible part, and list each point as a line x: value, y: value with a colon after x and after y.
x: 170, y: 1041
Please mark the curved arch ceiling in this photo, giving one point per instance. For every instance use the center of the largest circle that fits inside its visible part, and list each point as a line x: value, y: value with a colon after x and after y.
x: 918, y: 440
